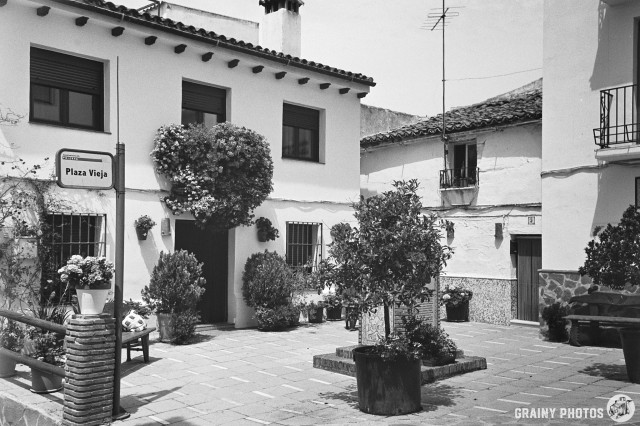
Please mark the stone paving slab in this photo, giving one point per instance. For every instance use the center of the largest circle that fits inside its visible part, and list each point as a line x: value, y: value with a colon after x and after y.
x: 238, y: 377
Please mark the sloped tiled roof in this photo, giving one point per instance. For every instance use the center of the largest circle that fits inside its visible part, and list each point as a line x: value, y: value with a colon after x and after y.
x: 502, y: 110
x: 218, y: 40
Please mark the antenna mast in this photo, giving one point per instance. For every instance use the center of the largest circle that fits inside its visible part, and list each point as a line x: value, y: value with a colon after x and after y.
x: 438, y: 22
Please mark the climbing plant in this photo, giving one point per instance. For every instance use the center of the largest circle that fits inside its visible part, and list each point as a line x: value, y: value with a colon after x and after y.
x: 220, y: 174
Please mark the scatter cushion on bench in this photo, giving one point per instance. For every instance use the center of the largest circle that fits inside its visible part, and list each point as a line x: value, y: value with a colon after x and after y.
x: 133, y: 322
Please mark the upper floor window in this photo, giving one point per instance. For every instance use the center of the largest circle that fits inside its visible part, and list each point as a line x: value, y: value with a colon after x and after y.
x: 66, y: 90
x: 463, y: 158
x: 203, y: 104
x: 300, y: 133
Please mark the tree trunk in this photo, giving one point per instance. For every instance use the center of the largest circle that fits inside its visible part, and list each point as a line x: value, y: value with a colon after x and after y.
x: 387, y: 321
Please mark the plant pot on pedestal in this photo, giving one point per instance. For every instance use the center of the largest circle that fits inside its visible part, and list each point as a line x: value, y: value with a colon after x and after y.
x: 459, y: 312
x: 7, y: 366
x: 386, y: 387
x: 44, y: 382
x: 91, y: 301
x: 631, y: 349
x: 166, y: 326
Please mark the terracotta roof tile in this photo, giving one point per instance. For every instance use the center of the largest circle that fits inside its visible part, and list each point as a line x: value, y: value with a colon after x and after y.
x: 494, y: 112
x: 143, y: 18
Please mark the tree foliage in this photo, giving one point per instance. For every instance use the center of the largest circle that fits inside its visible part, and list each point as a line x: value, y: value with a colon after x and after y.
x: 391, y: 256
x: 613, y: 259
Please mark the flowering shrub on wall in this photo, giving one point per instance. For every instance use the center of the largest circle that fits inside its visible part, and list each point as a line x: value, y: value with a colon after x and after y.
x: 220, y: 174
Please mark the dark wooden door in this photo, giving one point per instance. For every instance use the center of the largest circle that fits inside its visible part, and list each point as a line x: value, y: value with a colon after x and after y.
x: 210, y: 248
x: 529, y: 262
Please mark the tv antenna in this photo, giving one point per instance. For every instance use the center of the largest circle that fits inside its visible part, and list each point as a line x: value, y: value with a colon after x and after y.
x: 437, y: 20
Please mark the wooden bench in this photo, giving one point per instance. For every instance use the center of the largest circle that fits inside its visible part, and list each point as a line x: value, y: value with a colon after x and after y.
x: 137, y: 341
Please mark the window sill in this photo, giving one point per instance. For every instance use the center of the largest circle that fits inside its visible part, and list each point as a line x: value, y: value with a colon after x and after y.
x: 457, y: 188
x: 301, y: 160
x: 58, y: 126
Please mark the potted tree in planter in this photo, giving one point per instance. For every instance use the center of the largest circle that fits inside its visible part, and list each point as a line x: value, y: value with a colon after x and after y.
x: 91, y: 278
x: 11, y: 337
x: 268, y: 286
x: 387, y: 261
x: 266, y: 230
x: 143, y: 224
x: 613, y: 260
x: 173, y: 292
x: 456, y: 302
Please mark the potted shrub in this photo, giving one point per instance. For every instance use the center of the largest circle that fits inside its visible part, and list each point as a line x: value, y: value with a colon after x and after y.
x: 554, y: 317
x: 613, y: 260
x: 456, y: 301
x: 316, y: 312
x: 11, y: 338
x: 173, y: 292
x: 91, y: 278
x: 334, y: 306
x: 143, y: 224
x: 437, y: 348
x: 387, y: 261
x: 266, y: 230
x: 268, y: 286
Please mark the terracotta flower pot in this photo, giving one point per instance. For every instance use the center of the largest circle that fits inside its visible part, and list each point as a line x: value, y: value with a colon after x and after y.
x: 142, y: 234
x: 7, y: 366
x: 91, y: 302
x: 166, y: 323
x: 43, y: 382
x: 458, y: 312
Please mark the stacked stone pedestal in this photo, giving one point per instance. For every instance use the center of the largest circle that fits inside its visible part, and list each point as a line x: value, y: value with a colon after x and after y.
x: 88, y: 390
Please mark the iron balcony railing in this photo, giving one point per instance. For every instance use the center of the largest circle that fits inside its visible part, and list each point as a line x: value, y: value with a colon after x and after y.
x: 618, y: 117
x: 459, y: 178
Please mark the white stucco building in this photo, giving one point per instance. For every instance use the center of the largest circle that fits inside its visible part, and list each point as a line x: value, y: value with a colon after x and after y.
x: 486, y: 182
x: 85, y: 74
x: 590, y: 152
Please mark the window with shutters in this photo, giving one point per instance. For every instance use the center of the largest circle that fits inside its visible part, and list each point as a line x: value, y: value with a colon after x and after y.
x: 66, y: 90
x: 304, y: 245
x: 69, y: 234
x: 203, y: 104
x: 300, y: 133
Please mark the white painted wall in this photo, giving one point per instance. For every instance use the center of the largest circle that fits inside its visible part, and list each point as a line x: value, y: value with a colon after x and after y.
x: 509, y: 162
x: 588, y: 46
x: 150, y: 96
x: 239, y: 29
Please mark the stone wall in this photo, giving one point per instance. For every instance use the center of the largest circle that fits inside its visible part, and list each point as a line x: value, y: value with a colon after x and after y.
x: 493, y: 301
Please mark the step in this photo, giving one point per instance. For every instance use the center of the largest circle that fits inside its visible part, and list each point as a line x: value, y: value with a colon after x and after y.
x: 342, y: 363
x: 347, y: 352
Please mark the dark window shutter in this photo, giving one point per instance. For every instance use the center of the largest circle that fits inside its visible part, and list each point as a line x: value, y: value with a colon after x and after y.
x: 66, y: 72
x: 297, y: 116
x: 203, y: 98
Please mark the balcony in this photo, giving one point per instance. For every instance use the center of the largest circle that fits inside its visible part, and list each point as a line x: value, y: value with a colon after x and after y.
x: 467, y: 177
x: 619, y: 133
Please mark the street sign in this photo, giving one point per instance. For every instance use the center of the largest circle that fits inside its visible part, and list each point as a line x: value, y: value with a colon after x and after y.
x: 84, y: 169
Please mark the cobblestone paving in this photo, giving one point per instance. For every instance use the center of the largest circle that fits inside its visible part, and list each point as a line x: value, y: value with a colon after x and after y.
x: 248, y: 377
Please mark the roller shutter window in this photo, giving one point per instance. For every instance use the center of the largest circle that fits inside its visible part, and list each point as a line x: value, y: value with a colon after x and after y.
x: 66, y: 90
x: 300, y: 133
x: 203, y: 104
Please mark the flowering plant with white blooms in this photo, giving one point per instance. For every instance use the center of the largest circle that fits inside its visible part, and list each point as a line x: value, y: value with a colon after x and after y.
x: 89, y: 273
x: 454, y: 295
x: 220, y: 174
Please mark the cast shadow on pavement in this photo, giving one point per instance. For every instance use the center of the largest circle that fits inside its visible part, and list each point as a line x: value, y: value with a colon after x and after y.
x: 608, y: 371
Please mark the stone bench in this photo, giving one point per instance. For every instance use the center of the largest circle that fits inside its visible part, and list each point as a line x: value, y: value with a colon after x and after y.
x: 137, y: 341
x: 594, y: 322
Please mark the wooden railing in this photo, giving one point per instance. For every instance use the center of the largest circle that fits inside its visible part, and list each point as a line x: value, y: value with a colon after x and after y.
x: 26, y: 360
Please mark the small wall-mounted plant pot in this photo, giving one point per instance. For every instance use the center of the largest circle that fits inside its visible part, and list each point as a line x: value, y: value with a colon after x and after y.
x: 141, y: 233
x: 262, y: 236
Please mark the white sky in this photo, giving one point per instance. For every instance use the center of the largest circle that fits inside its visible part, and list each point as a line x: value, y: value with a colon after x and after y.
x: 383, y: 39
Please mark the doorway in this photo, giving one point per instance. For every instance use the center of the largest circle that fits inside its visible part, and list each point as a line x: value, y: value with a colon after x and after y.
x: 211, y: 249
x: 529, y: 262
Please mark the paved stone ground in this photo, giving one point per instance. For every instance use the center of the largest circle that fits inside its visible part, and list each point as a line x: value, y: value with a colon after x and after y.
x: 240, y: 377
